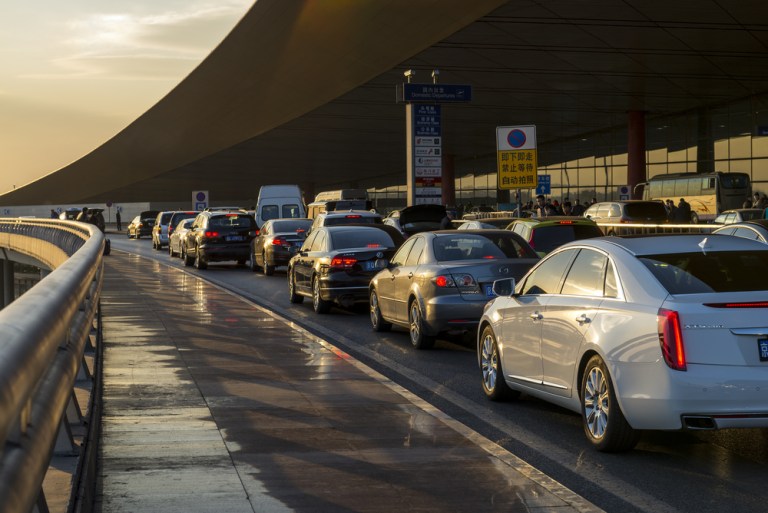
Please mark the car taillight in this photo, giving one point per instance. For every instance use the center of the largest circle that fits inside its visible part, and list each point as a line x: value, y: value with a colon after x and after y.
x: 464, y: 282
x: 170, y: 230
x: 209, y: 233
x: 279, y: 241
x: 671, y: 339
x: 343, y: 262
x: 565, y: 222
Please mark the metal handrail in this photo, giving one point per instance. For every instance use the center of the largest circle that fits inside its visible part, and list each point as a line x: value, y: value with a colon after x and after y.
x: 43, y: 336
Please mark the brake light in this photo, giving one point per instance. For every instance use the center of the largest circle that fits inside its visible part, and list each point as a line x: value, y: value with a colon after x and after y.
x: 465, y: 282
x: 373, y: 245
x: 755, y: 304
x: 209, y: 233
x: 671, y: 339
x: 353, y: 216
x: 565, y: 222
x: 170, y: 230
x: 279, y: 241
x: 343, y: 262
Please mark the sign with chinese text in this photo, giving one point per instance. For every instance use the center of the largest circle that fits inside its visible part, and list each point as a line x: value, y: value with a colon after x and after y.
x: 516, y: 157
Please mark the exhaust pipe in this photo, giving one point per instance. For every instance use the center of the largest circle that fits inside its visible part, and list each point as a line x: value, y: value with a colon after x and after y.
x: 699, y: 422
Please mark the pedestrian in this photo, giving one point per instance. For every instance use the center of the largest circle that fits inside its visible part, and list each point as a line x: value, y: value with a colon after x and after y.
x: 446, y: 223
x: 671, y: 209
x: 760, y: 201
x: 683, y: 213
x: 54, y: 215
x: 747, y: 202
x: 118, y: 222
x: 567, y: 209
x: 83, y: 215
x: 541, y: 206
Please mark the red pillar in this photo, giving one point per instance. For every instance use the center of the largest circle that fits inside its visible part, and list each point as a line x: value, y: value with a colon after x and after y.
x: 636, y: 148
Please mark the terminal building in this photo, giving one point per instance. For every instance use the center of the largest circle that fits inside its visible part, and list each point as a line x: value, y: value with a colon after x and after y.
x: 306, y: 93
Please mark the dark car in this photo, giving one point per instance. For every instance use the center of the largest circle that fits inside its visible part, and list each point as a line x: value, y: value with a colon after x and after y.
x: 418, y: 218
x: 610, y: 214
x: 277, y: 242
x: 218, y: 236
x: 545, y: 234
x: 336, y: 263
x: 142, y: 224
x: 178, y: 216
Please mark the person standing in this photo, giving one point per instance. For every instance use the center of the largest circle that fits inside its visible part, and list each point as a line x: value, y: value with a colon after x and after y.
x: 118, y: 223
x: 683, y: 212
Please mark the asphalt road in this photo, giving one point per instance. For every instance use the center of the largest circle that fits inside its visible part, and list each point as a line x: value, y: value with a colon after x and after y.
x: 695, y: 472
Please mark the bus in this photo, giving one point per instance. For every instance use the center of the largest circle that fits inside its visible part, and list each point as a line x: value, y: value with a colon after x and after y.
x: 342, y: 199
x: 708, y: 193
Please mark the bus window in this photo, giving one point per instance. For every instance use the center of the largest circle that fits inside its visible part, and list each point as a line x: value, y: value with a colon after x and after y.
x: 681, y: 187
x: 654, y: 190
x: 694, y: 186
x: 668, y: 188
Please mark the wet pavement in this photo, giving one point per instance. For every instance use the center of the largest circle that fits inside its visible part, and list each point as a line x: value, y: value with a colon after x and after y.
x: 214, y: 404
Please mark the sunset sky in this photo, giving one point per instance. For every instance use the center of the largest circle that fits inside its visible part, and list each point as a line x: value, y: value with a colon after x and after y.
x: 74, y: 73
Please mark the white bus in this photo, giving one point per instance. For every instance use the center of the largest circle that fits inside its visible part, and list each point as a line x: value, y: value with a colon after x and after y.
x: 708, y: 193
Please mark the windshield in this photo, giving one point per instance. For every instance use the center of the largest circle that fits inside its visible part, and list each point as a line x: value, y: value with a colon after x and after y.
x: 463, y: 246
x: 547, y: 238
x: 696, y: 273
x: 361, y: 239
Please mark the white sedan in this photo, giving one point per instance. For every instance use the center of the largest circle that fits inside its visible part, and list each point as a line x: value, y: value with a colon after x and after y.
x: 666, y: 333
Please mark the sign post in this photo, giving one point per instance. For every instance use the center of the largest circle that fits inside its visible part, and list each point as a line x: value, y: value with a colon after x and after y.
x: 200, y: 200
x: 424, y: 138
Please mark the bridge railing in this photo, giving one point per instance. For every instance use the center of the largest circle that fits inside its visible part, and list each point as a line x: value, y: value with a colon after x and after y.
x: 43, y: 336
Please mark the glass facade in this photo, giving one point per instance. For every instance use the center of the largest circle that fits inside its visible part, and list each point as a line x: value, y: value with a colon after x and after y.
x: 731, y: 137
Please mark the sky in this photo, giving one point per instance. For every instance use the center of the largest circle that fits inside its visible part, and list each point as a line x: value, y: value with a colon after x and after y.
x: 73, y: 73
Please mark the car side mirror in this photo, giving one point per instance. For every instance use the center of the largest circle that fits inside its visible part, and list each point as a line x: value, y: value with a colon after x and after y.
x: 504, y: 287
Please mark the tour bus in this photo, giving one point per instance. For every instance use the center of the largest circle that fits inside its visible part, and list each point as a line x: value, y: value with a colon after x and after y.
x: 708, y: 193
x: 342, y: 199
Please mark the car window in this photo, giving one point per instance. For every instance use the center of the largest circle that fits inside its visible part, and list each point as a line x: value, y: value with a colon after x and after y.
x: 723, y: 271
x: 289, y: 226
x: 291, y: 210
x: 611, y: 286
x: 372, y: 238
x: 545, y: 279
x: 402, y: 254
x: 414, y: 256
x: 231, y: 221
x: 319, y: 243
x: 309, y: 241
x: 746, y: 233
x: 650, y: 209
x: 615, y: 210
x: 726, y: 231
x: 587, y: 274
x: 270, y: 212
x: 352, y: 219
x: 548, y: 238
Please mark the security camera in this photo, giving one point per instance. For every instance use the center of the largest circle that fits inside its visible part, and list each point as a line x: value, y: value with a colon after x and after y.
x: 435, y: 74
x: 409, y: 73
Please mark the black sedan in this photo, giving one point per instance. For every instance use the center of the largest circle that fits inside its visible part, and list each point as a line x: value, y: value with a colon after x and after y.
x: 277, y: 242
x: 336, y: 263
x: 217, y: 236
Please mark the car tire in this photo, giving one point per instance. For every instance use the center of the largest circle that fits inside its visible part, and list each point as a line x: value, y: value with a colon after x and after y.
x: 319, y: 305
x: 377, y: 321
x: 252, y: 263
x: 694, y: 218
x: 419, y: 339
x: 603, y: 421
x: 199, y: 262
x: 188, y: 261
x: 293, y: 297
x: 269, y: 270
x: 494, y: 385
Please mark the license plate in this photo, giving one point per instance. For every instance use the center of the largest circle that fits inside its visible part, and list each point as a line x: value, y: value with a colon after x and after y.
x: 370, y: 265
x: 489, y: 290
x: 233, y: 238
x: 762, y: 347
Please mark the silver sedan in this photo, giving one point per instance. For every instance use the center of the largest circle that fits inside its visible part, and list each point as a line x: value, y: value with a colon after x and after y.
x: 644, y: 333
x: 440, y: 281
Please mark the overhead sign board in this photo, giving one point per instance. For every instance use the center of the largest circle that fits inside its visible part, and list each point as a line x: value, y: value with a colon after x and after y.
x: 439, y: 93
x: 545, y: 184
x: 516, y: 157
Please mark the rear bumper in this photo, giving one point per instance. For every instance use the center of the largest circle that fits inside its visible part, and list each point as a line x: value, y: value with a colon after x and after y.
x: 446, y: 313
x: 224, y: 252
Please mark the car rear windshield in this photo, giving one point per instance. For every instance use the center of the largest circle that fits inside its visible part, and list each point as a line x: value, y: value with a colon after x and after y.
x: 547, y: 238
x: 290, y: 226
x: 472, y: 246
x: 696, y: 273
x: 646, y: 210
x: 352, y: 219
x: 370, y: 238
x: 234, y: 221
x: 164, y: 218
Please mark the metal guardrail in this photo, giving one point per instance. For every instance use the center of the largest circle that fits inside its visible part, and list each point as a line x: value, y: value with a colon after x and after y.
x: 43, y: 336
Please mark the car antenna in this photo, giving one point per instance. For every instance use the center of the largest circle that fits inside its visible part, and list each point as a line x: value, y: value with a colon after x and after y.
x: 704, y: 245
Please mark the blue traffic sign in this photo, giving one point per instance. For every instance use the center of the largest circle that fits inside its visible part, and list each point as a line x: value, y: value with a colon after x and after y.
x: 545, y: 184
x: 439, y: 93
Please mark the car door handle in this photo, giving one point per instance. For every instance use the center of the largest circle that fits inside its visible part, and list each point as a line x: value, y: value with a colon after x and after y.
x: 581, y: 319
x: 536, y: 316
x: 410, y: 275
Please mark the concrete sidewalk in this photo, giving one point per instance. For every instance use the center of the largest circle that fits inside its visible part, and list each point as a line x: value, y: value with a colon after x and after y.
x: 213, y: 404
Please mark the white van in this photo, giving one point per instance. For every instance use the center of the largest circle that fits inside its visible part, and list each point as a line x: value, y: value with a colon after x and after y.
x: 279, y: 201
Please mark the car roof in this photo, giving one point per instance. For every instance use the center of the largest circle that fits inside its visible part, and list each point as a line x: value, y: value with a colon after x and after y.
x: 666, y: 244
x: 340, y: 213
x: 556, y: 220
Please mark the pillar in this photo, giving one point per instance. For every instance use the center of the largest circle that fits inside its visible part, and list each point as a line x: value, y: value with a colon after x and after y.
x: 448, y: 181
x: 6, y: 282
x: 635, y: 148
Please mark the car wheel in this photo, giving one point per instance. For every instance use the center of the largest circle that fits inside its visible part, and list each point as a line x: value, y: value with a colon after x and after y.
x: 604, y: 423
x: 269, y: 270
x: 419, y: 339
x: 199, y: 262
x: 252, y: 263
x: 293, y: 297
x: 377, y: 321
x: 319, y: 305
x: 494, y: 385
x: 694, y: 218
x: 188, y: 261
x: 129, y: 234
